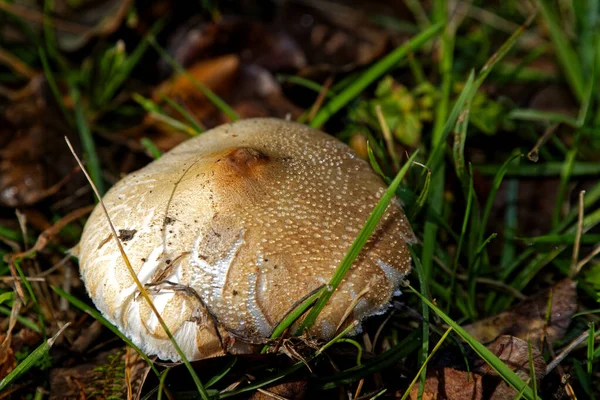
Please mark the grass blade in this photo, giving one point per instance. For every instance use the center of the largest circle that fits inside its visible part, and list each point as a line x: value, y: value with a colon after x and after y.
x: 35, y: 356
x: 567, y: 56
x: 210, y: 95
x: 372, y: 74
x: 422, y: 369
x: 356, y: 247
x: 493, y: 361
x: 87, y: 140
x: 98, y: 317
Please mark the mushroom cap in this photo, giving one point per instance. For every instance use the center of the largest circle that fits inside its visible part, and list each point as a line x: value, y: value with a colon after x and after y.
x: 237, y: 226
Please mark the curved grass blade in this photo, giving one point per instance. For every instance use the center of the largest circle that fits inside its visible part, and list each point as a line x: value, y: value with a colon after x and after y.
x: 372, y: 74
x: 143, y: 292
x: 422, y: 370
x: 356, y: 247
x: 493, y: 361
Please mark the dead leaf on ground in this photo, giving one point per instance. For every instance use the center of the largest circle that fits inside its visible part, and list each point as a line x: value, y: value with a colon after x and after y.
x: 514, y: 352
x: 287, y: 390
x: 218, y: 75
x: 527, y: 320
x: 445, y: 382
x: 250, y: 90
x: 31, y: 140
x: 450, y: 384
x: 75, y: 23
x: 254, y: 42
x: 334, y: 36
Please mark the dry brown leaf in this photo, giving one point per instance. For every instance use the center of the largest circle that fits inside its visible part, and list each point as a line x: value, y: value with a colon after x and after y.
x: 255, y: 42
x: 287, y: 390
x: 483, y: 382
x: 334, y: 36
x: 450, y: 384
x: 527, y: 321
x: 514, y: 352
x: 8, y: 362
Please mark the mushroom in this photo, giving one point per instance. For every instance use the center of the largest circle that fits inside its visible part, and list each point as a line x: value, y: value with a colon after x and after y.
x: 232, y: 229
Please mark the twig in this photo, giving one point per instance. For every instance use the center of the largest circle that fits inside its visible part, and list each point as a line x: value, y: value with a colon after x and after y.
x: 533, y: 154
x: 567, y: 350
x: 575, y: 257
x: 320, y: 98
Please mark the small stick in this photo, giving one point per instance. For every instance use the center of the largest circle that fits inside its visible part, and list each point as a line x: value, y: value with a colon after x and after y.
x: 320, y: 98
x: 575, y: 257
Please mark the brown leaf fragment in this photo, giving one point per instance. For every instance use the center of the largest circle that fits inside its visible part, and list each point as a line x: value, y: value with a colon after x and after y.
x: 334, y: 36
x: 254, y: 42
x: 527, y: 320
x: 514, y: 352
x: 287, y: 390
x: 218, y: 75
x: 450, y: 384
x: 8, y: 362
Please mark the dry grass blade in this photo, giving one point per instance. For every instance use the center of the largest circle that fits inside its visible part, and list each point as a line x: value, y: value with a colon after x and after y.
x: 46, y: 235
x: 574, y: 265
x: 135, y: 278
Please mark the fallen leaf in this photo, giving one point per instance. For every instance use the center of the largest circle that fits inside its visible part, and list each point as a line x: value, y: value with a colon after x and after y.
x: 527, y: 320
x: 287, y: 390
x: 450, y: 384
x: 334, y: 36
x: 514, y: 352
x: 254, y: 42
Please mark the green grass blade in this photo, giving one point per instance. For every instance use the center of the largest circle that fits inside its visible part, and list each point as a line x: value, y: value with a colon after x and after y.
x: 527, y: 114
x: 493, y: 361
x: 590, y: 349
x: 22, y: 320
x: 212, y: 381
x: 494, y: 189
x: 565, y: 177
x: 98, y: 317
x: 151, y: 148
x: 371, y: 75
x: 356, y: 247
x: 89, y: 147
x: 422, y: 370
x: 293, y: 316
x: 466, y: 219
x: 123, y: 73
x: 159, y: 114
x: 465, y: 94
x: 189, y: 117
x: 210, y: 95
x: 53, y: 85
x: 567, y: 56
x: 423, y: 355
x: 532, y: 371
x: 40, y: 352
x: 305, y: 83
x: 27, y: 284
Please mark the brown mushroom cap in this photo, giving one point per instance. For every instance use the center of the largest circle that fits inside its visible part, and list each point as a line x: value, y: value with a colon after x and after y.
x: 250, y: 217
